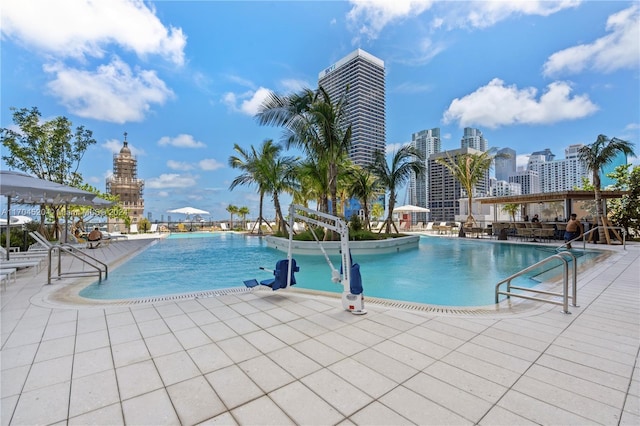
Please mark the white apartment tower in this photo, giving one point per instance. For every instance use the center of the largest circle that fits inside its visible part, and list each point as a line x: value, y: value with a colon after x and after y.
x: 426, y: 142
x: 445, y: 190
x: 472, y: 138
x: 528, y: 180
x: 364, y: 75
x: 559, y: 175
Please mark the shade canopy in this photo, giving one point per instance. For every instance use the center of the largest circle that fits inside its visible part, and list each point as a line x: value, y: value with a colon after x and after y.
x: 188, y: 211
x: 21, y: 188
x: 411, y: 209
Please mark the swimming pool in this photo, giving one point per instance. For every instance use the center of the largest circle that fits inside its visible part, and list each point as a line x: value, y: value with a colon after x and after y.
x: 442, y: 271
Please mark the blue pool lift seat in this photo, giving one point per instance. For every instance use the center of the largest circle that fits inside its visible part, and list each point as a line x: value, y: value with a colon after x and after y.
x: 279, y: 279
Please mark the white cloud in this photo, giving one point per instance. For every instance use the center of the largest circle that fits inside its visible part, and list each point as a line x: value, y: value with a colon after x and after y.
x: 179, y: 165
x: 618, y: 49
x: 82, y: 28
x: 114, y: 146
x: 210, y: 164
x: 170, y: 180
x: 181, y: 141
x: 484, y: 14
x: 370, y: 17
x: 112, y: 93
x: 496, y: 105
x: 247, y: 103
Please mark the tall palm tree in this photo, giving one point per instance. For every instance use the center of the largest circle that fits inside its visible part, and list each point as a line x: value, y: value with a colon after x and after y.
x: 280, y: 176
x: 314, y: 123
x: 468, y: 169
x: 595, y: 156
x: 405, y: 161
x: 313, y: 180
x: 365, y: 187
x: 243, y: 212
x: 232, y: 210
x: 254, y: 164
x: 511, y: 209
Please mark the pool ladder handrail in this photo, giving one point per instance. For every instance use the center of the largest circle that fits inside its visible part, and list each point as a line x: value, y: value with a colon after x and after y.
x: 73, y: 251
x: 565, y: 283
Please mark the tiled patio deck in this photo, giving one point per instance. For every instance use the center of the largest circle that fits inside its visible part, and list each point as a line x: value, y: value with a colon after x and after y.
x: 290, y: 358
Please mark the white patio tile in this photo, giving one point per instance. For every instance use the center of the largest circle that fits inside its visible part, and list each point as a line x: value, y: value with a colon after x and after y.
x: 53, y: 349
x: 498, y: 416
x: 43, y: 405
x: 506, y: 347
x: 189, y: 306
x: 92, y: 340
x: 176, y: 367
x: 195, y: 401
x: 476, y: 385
x: 405, y: 355
x: 202, y: 317
x: 342, y: 395
x: 58, y: 330
x: 120, y: 319
x: 319, y: 352
x: 7, y: 405
x: 340, y: 343
x: 244, y: 308
x: 362, y: 377
x: 209, y: 358
x: 294, y: 362
x: 379, y: 415
x: 267, y: 374
x: 419, y: 409
x: 63, y: 315
x: 287, y: 334
x: 241, y: 325
x: 19, y: 355
x: 481, y: 368
x: 153, y: 408
x: 462, y: 403
x: 223, y: 312
x: 23, y: 337
x: 92, y: 392
x: 179, y: 322
x: 307, y: 327
x: 124, y: 333
x: 168, y: 309
x: 359, y: 335
x: 589, y: 360
x: 224, y: 419
x: 137, y: 379
x: 238, y: 349
x: 425, y: 347
x: 233, y: 386
x: 538, y: 411
x: 154, y: 327
x: 91, y: 324
x: 107, y: 416
x: 162, y: 345
x: 218, y: 331
x: 129, y: 353
x: 304, y: 406
x: 495, y: 357
x: 585, y: 372
x: 262, y: 411
x: 13, y: 380
x: 263, y: 320
x: 264, y: 341
x: 49, y: 372
x: 91, y: 362
x: 145, y: 314
x: 192, y: 338
x: 629, y: 419
x: 385, y: 365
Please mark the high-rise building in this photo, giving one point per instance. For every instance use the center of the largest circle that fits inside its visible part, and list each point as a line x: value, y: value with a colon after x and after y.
x: 559, y: 175
x: 473, y: 138
x: 501, y: 188
x: 444, y: 189
x: 125, y: 183
x: 547, y: 154
x: 364, y: 76
x: 505, y: 164
x: 528, y: 180
x: 426, y: 142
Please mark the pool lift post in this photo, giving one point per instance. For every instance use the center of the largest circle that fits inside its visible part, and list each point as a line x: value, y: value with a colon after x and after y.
x: 351, y: 302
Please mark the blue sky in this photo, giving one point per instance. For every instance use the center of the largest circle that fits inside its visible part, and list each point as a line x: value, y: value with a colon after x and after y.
x: 185, y: 79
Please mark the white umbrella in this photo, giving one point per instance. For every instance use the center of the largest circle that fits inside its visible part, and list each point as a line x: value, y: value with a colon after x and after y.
x: 188, y: 211
x: 411, y: 209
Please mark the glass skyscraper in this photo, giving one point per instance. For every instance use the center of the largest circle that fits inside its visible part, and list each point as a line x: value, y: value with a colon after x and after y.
x: 364, y: 74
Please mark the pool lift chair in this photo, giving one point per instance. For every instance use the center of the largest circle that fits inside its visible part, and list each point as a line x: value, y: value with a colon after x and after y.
x: 350, y: 278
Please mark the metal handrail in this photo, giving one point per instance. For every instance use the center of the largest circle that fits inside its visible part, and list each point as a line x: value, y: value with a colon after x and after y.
x: 69, y: 249
x: 565, y: 281
x: 595, y: 228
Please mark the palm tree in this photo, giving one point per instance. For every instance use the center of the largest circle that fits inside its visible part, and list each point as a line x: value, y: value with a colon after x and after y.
x: 280, y: 176
x: 232, y: 210
x: 243, y: 212
x: 468, y: 169
x: 511, y: 209
x: 405, y: 161
x: 312, y: 122
x: 595, y: 156
x: 254, y: 164
x: 365, y: 187
x: 312, y: 177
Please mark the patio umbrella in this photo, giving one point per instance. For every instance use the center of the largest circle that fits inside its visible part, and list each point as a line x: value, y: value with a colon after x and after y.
x: 188, y: 211
x: 22, y: 188
x: 411, y: 209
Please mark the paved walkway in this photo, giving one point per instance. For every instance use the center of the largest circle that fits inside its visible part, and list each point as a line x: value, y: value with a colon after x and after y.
x: 285, y: 357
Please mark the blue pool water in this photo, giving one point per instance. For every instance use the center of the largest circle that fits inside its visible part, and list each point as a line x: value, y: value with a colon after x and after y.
x: 442, y: 271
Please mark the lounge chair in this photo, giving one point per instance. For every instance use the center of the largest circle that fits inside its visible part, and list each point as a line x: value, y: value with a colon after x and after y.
x: 133, y: 229
x: 224, y: 226
x: 22, y: 263
x: 280, y: 275
x: 154, y: 228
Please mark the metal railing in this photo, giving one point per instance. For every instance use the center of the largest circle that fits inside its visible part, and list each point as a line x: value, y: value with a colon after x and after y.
x: 83, y: 257
x: 592, y: 230
x: 565, y: 283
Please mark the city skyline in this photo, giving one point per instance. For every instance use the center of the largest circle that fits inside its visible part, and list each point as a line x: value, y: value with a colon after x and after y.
x: 184, y: 80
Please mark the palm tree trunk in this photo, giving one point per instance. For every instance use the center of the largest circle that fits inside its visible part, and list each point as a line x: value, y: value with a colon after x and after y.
x: 281, y: 222
x: 602, y: 232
